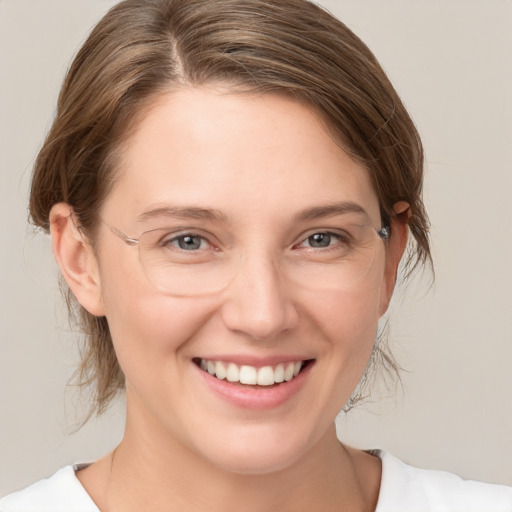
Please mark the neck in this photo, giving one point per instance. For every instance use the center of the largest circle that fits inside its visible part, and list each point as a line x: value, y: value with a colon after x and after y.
x: 151, y: 470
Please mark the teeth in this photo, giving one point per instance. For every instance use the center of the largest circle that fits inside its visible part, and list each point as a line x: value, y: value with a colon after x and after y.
x: 220, y: 370
x: 279, y: 373
x: 233, y: 373
x: 264, y: 376
x: 248, y: 375
x: 210, y: 367
x: 288, y: 371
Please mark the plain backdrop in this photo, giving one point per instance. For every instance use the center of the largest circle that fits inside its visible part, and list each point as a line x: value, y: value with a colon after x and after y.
x: 451, y: 62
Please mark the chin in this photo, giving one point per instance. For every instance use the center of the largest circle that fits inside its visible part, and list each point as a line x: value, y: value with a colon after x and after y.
x: 255, y: 462
x: 257, y: 453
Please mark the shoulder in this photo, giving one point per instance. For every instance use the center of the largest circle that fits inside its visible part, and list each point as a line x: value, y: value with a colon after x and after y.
x: 60, y: 493
x: 405, y: 488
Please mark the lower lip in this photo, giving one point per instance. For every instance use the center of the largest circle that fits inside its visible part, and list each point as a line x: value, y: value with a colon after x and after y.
x: 255, y: 397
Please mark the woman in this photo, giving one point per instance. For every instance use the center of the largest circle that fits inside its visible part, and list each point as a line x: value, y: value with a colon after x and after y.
x: 230, y: 187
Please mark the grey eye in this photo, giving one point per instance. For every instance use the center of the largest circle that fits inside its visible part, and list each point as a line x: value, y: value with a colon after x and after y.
x: 188, y: 242
x: 320, y: 240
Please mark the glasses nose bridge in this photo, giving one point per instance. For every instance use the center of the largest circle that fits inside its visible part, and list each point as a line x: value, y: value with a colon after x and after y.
x: 260, y: 278
x: 257, y: 301
x: 258, y: 264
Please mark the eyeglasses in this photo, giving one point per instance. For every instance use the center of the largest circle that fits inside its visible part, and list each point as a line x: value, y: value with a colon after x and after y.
x: 193, y: 263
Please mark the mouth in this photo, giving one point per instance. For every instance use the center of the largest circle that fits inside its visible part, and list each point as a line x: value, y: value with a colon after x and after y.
x: 265, y: 376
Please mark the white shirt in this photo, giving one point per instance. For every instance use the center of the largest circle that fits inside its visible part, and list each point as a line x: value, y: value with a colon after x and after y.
x: 403, y: 489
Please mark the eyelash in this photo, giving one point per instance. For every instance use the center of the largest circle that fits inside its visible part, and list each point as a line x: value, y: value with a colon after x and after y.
x: 336, y: 238
x: 174, y: 241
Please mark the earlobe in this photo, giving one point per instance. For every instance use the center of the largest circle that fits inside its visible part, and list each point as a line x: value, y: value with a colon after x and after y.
x: 395, y: 250
x: 76, y: 259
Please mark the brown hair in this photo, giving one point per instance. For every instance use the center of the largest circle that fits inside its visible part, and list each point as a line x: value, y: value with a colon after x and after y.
x: 143, y: 48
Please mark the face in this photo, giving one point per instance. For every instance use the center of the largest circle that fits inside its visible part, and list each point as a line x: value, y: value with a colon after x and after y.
x: 255, y: 196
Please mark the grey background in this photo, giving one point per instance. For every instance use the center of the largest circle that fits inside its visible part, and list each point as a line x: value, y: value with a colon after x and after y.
x: 451, y: 62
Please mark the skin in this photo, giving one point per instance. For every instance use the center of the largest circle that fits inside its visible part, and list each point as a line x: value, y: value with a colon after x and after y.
x: 259, y: 160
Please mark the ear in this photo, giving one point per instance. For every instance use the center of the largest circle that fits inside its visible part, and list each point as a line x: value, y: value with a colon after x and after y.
x: 396, y: 247
x: 76, y: 259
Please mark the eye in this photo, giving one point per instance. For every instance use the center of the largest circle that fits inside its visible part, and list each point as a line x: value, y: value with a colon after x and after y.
x: 188, y: 242
x: 321, y: 240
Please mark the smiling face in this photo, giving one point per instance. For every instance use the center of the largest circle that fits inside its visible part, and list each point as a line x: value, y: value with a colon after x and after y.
x: 256, y: 198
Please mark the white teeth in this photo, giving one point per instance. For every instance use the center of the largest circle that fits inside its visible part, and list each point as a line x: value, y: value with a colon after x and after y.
x: 279, y: 373
x: 220, y: 370
x: 248, y: 375
x: 245, y: 374
x: 210, y: 366
x: 288, y: 372
x: 233, y: 373
x: 266, y: 376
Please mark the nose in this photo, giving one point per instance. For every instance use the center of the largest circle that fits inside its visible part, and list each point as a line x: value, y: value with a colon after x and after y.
x: 258, y: 301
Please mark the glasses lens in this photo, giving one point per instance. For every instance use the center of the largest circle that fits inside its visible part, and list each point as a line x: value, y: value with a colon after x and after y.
x: 186, y: 265
x: 343, y: 260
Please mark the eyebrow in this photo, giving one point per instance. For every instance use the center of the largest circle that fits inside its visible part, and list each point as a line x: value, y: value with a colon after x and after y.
x: 182, y: 212
x: 196, y: 212
x: 329, y: 210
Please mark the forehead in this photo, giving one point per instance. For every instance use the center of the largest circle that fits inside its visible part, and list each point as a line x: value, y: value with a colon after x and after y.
x: 260, y: 155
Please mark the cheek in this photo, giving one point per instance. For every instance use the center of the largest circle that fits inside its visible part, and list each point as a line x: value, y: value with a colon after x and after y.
x: 352, y: 314
x: 352, y: 333
x: 148, y: 328
x: 344, y: 326
x: 349, y: 323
